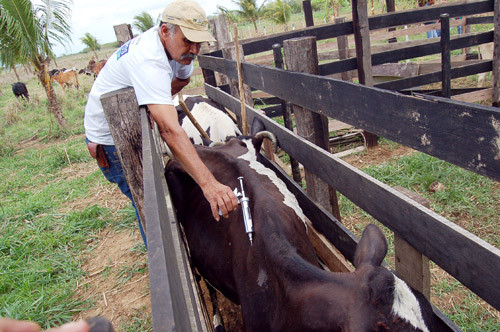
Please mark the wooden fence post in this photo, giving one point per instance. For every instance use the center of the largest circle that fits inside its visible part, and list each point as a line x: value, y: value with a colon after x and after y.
x: 123, y: 33
x: 391, y: 7
x: 287, y: 115
x: 221, y: 34
x: 445, y: 56
x: 301, y: 55
x: 495, y: 74
x: 363, y: 53
x: 411, y: 265
x: 343, y: 46
x: 308, y: 14
x: 122, y: 113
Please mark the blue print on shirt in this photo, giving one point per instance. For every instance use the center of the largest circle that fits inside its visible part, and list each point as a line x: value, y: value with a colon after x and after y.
x: 123, y: 50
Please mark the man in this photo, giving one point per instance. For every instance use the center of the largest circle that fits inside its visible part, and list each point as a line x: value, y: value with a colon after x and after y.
x: 157, y: 64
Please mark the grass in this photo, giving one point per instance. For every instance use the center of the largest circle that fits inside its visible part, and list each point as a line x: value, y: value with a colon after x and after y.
x: 41, y: 245
x: 139, y: 322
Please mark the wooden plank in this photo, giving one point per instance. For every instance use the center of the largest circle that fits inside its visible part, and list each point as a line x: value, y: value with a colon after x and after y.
x: 495, y: 76
x: 479, y: 20
x: 301, y: 56
x: 343, y: 51
x: 433, y: 77
x: 472, y: 97
x: 120, y: 108
x: 445, y: 56
x: 439, y: 127
x: 414, y: 49
x: 459, y: 8
x: 286, y: 112
x: 362, y: 41
x: 410, y: 264
x: 332, y: 258
x: 418, y: 15
x: 308, y: 14
x: 173, y: 302
x: 363, y: 54
x: 472, y: 261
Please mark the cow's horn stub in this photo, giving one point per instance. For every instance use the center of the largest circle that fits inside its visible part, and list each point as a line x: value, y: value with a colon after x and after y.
x: 267, y: 134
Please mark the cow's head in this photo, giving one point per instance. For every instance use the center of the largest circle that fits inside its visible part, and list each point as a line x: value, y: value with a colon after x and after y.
x: 384, y: 302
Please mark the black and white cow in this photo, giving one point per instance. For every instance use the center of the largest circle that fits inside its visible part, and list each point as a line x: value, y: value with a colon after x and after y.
x: 217, y: 124
x: 278, y: 281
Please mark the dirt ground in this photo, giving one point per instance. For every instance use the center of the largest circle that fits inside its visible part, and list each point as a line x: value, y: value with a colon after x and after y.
x: 116, y: 281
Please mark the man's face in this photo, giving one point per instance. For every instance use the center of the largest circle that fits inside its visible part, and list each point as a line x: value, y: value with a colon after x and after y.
x: 179, y: 47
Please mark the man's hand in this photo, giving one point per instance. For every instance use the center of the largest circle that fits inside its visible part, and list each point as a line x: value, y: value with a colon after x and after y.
x: 220, y: 196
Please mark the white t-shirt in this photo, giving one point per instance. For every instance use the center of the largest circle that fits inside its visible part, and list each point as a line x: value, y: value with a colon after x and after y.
x: 140, y: 63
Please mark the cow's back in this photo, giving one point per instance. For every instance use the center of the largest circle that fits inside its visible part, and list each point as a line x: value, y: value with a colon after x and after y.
x: 221, y: 251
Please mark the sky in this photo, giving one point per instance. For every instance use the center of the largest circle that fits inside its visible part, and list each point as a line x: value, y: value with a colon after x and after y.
x: 98, y: 17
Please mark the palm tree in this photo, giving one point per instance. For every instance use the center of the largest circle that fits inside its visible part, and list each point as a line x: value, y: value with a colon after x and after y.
x: 278, y: 11
x: 249, y: 10
x: 143, y: 22
x: 27, y: 32
x: 92, y: 43
x: 230, y: 15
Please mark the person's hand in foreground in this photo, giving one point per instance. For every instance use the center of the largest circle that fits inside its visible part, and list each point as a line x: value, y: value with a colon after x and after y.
x: 12, y: 325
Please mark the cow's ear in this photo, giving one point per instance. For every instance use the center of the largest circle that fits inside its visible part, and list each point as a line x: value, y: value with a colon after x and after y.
x: 372, y: 247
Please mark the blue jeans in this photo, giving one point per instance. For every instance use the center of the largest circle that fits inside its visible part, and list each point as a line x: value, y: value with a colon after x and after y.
x: 432, y: 34
x: 114, y: 174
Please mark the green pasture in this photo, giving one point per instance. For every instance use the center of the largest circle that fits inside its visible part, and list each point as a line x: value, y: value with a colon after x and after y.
x: 41, y: 247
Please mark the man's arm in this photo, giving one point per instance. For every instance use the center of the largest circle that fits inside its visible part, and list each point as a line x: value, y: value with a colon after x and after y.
x: 217, y: 194
x: 178, y: 84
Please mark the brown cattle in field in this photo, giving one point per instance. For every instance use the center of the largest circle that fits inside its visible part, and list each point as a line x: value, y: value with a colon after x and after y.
x: 95, y: 67
x: 278, y: 281
x: 66, y: 79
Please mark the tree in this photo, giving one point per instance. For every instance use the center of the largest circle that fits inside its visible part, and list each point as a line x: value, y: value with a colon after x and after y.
x: 231, y: 15
x: 143, y: 22
x: 27, y: 32
x: 92, y: 43
x: 249, y: 10
x: 278, y: 11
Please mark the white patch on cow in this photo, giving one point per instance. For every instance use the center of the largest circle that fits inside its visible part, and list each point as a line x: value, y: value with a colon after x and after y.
x: 217, y: 319
x: 262, y: 278
x: 184, y: 97
x: 220, y: 124
x: 289, y: 199
x: 406, y: 305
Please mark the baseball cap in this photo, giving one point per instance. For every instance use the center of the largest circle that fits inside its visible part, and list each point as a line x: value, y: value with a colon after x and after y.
x: 190, y: 17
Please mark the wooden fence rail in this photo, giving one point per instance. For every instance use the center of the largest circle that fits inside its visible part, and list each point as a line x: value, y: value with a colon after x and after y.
x: 459, y: 8
x: 437, y: 126
x: 471, y: 260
